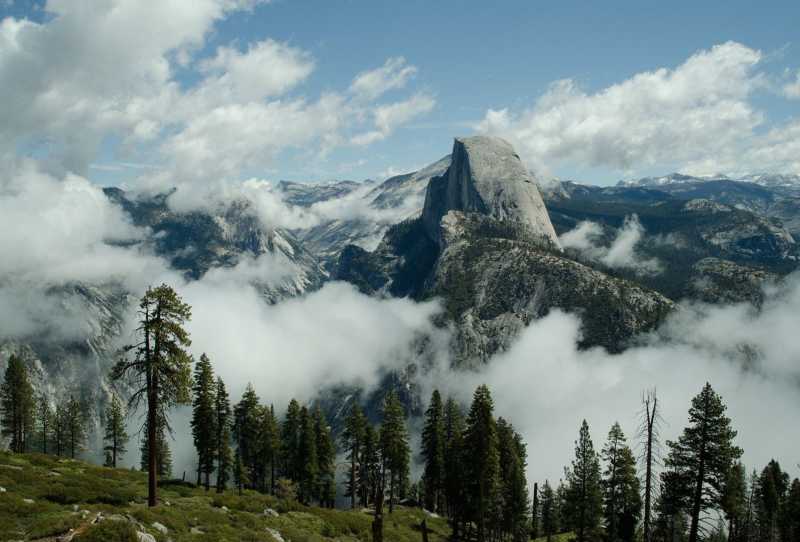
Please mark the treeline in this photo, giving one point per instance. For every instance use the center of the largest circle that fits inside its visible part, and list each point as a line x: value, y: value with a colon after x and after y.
x: 474, y: 463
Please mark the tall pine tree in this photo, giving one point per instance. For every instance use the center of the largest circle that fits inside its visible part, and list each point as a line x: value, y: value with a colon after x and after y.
x: 246, y: 432
x: 17, y: 406
x: 326, y: 461
x: 482, y: 461
x: 160, y: 371
x: 584, y: 498
x: 307, y: 458
x: 395, y: 451
x: 203, y: 419
x: 621, y: 496
x: 115, y: 436
x: 433, y: 452
x: 353, y: 442
x: 703, y: 455
x: 222, y: 426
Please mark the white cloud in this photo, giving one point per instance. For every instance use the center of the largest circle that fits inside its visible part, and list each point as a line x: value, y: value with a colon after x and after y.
x: 620, y: 254
x: 792, y: 89
x: 545, y: 386
x: 389, y: 117
x: 394, y: 74
x: 657, y: 118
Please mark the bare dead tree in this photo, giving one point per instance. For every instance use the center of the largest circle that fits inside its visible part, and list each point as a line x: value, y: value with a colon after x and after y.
x: 649, y: 437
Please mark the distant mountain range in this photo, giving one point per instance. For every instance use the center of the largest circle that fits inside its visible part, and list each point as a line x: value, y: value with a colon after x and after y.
x: 476, y: 230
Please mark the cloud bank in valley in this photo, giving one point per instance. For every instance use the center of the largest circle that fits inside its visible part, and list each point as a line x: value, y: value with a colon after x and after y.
x: 586, y: 239
x: 545, y: 386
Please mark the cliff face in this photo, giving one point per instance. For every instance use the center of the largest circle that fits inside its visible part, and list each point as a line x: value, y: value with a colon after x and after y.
x: 487, y: 177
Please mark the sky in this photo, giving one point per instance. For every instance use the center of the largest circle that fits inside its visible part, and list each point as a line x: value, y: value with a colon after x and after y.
x: 165, y: 93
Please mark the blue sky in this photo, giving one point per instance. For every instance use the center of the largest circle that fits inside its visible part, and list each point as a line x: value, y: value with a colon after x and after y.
x: 470, y: 57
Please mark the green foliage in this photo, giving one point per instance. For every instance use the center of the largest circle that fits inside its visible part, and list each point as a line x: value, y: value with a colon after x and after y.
x: 353, y: 441
x: 17, y: 406
x: 109, y: 531
x: 222, y: 425
x: 115, y: 436
x: 395, y: 451
x: 621, y: 489
x: 702, y: 456
x: 584, y: 498
x: 433, y: 444
x: 481, y: 462
x: 204, y: 433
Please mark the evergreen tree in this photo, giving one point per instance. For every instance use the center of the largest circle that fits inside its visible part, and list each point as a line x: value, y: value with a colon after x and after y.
x: 60, y: 429
x: 514, y: 490
x: 247, y: 416
x: 549, y: 512
x: 75, y: 426
x: 670, y: 525
x: 17, y: 408
x: 535, y: 512
x: 620, y: 488
x: 433, y: 452
x: 353, y: 441
x: 454, y: 475
x: 734, y: 501
x: 326, y: 461
x: 290, y: 440
x: 203, y: 422
x: 584, y: 498
x: 395, y: 452
x: 115, y: 436
x: 241, y: 476
x: 703, y: 455
x: 481, y: 460
x: 222, y: 426
x: 649, y: 435
x: 270, y: 447
x: 164, y: 456
x: 45, y: 419
x: 793, y: 513
x: 773, y: 485
x: 369, y: 466
x: 160, y: 370
x: 307, y: 456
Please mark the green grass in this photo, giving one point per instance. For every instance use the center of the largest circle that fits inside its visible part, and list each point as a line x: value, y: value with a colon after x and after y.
x: 68, y: 494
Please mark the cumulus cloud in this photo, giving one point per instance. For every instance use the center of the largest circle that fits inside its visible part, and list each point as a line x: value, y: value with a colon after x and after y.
x: 394, y: 74
x: 546, y: 386
x: 664, y: 117
x: 586, y: 238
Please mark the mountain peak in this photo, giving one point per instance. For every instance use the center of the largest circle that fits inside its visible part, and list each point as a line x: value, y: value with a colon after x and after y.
x: 486, y: 176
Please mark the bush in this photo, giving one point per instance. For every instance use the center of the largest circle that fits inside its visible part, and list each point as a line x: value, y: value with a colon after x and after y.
x: 109, y: 531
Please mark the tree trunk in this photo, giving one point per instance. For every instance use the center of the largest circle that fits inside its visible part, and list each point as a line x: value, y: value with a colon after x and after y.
x: 377, y: 522
x: 424, y: 528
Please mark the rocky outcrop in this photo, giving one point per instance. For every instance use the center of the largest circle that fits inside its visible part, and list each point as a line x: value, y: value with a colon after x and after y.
x: 487, y: 177
x: 721, y: 281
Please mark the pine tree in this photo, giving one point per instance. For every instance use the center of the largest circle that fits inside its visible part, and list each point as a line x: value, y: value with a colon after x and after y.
x: 703, y: 455
x: 773, y: 485
x: 621, y: 497
x: 369, y: 465
x: 290, y: 439
x: 549, y: 512
x: 584, y: 499
x: 454, y: 476
x: 222, y: 426
x: 75, y: 426
x: 433, y: 453
x: 60, y: 429
x: 307, y: 456
x: 241, y: 476
x: 670, y: 505
x: 395, y: 452
x: 45, y: 419
x: 514, y: 490
x: 793, y: 513
x: 353, y: 442
x: 734, y: 501
x: 481, y: 460
x: 326, y: 461
x: 160, y: 370
x: 246, y: 432
x: 203, y: 418
x: 115, y: 436
x: 270, y: 446
x: 17, y: 406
